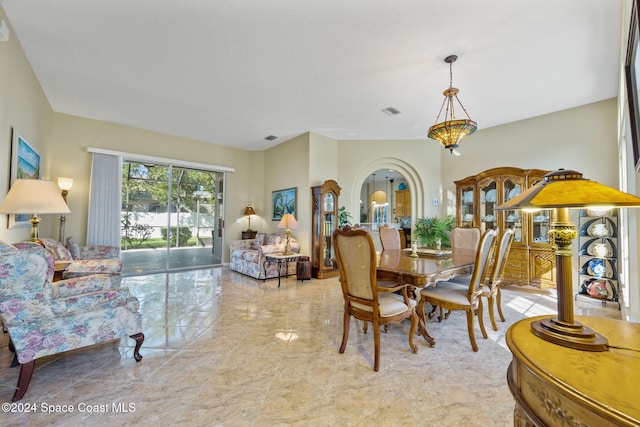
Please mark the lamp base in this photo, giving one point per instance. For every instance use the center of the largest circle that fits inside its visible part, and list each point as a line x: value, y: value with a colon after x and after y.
x: 573, y: 335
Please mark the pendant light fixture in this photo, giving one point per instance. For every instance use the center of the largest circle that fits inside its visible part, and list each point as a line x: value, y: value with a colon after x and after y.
x: 378, y: 197
x: 451, y: 131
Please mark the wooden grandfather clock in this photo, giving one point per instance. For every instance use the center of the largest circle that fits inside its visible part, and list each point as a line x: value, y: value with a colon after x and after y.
x: 325, y: 220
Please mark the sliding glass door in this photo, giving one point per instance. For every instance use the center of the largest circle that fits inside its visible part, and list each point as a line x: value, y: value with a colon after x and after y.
x: 171, y: 217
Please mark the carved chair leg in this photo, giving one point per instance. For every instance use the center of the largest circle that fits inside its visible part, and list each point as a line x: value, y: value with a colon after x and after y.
x: 376, y: 345
x: 26, y: 371
x: 139, y: 337
x: 499, y: 303
x: 345, y: 331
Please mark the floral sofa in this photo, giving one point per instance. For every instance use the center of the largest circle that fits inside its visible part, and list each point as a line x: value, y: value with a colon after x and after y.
x: 248, y: 256
x: 44, y: 317
x: 83, y: 260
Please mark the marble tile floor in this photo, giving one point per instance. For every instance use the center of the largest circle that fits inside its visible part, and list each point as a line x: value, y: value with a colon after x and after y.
x: 223, y: 349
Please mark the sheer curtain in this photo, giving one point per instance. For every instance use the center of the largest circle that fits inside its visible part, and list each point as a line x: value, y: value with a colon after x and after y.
x: 105, y: 200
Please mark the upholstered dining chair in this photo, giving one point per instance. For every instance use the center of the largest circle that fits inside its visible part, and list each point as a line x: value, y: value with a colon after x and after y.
x: 462, y: 238
x: 390, y: 238
x: 491, y: 288
x: 363, y: 299
x: 465, y: 238
x: 453, y: 296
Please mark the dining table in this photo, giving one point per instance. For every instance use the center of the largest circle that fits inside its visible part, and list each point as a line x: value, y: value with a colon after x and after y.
x: 426, y: 269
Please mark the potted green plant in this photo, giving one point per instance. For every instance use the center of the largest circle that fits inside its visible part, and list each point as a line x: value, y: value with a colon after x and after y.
x: 429, y: 230
x: 344, y: 217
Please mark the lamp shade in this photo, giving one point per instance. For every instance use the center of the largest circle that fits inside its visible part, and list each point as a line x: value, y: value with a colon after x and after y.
x: 568, y: 189
x: 288, y: 221
x: 65, y: 183
x: 249, y: 210
x: 34, y: 196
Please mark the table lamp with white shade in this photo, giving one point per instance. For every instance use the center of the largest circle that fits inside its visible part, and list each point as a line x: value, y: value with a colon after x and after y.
x: 34, y: 196
x: 289, y: 222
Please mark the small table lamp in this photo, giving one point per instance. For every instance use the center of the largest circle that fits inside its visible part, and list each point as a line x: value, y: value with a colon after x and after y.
x: 562, y: 190
x: 34, y: 196
x: 249, y: 211
x: 289, y: 222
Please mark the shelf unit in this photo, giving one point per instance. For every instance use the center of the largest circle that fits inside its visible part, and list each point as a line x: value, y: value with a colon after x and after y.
x: 531, y: 260
x: 598, y: 255
x: 324, y: 220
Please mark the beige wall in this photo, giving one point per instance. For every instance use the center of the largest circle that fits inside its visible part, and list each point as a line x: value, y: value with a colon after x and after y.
x: 582, y: 139
x: 287, y: 166
x: 23, y: 106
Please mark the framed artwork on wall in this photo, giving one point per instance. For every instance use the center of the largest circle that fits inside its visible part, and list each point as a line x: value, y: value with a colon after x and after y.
x: 283, y: 202
x: 25, y: 164
x: 632, y: 74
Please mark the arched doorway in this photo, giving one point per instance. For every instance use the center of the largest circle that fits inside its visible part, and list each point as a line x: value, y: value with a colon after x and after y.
x: 385, y: 169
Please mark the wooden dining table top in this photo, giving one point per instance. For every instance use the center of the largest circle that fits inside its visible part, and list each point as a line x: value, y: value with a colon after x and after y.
x: 425, y: 270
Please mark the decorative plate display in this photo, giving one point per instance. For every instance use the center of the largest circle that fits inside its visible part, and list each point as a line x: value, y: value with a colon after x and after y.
x: 491, y: 195
x: 468, y: 217
x: 489, y: 218
x: 598, y: 229
x: 596, y: 267
x: 540, y: 218
x: 513, y: 193
x: 513, y: 218
x: 467, y: 197
x: 600, y: 250
x: 599, y: 288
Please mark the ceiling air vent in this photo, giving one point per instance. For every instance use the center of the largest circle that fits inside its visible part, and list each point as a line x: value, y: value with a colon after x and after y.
x: 391, y: 111
x: 270, y: 137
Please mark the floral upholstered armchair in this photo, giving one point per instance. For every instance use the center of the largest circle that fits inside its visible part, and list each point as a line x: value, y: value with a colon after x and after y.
x: 100, y: 259
x: 44, y: 317
x: 92, y: 251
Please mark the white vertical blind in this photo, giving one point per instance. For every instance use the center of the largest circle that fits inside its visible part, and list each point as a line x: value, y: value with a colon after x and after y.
x: 105, y: 200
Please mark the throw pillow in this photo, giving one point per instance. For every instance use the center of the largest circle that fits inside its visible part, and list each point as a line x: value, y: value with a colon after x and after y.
x: 57, y: 249
x: 73, y: 247
x: 259, y: 240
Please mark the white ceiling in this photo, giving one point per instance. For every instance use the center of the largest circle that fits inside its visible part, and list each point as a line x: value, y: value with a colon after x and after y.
x: 233, y: 72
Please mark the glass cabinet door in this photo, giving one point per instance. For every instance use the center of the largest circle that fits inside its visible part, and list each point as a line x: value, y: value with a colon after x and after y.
x: 511, y: 187
x: 328, y: 206
x: 466, y: 206
x: 540, y: 225
x: 488, y: 203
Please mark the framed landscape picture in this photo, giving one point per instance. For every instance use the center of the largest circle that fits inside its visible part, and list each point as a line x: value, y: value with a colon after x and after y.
x: 283, y: 202
x: 25, y: 164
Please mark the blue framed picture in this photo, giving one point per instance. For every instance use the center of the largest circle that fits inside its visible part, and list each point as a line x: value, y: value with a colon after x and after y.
x: 25, y: 164
x: 283, y: 202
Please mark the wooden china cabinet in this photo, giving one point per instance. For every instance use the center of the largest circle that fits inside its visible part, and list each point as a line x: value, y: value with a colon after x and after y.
x: 325, y: 219
x: 531, y: 260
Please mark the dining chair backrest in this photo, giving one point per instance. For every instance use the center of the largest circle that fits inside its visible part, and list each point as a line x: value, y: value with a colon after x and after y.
x: 501, y: 256
x: 481, y: 266
x: 465, y: 238
x: 390, y: 238
x: 356, y: 257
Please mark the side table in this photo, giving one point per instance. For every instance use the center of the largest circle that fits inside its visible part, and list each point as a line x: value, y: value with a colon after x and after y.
x: 249, y: 234
x: 58, y: 268
x: 280, y: 259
